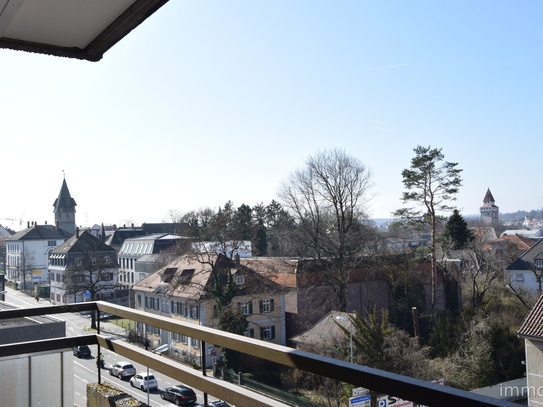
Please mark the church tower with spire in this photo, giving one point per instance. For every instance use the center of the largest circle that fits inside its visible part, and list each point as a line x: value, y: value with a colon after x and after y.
x: 64, y: 210
x: 489, y: 211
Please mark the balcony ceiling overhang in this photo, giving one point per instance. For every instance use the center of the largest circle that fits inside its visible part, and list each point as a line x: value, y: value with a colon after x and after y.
x: 81, y: 29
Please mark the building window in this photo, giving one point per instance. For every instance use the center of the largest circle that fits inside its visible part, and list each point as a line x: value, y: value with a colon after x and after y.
x: 239, y: 279
x: 195, y: 343
x: 266, y: 305
x: 250, y: 333
x: 107, y: 260
x: 519, y: 277
x: 194, y: 311
x: 538, y: 263
x: 79, y: 262
x: 183, y: 339
x: 51, y: 243
x: 106, y: 277
x: 267, y: 333
x: 245, y: 308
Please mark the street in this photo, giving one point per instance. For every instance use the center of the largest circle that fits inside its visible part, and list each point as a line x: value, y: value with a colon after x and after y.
x: 85, y: 370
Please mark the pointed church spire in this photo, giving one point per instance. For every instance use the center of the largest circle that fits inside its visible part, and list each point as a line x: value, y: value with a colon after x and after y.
x: 64, y: 209
x: 489, y: 199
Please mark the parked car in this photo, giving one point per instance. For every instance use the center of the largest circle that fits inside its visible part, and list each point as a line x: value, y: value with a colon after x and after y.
x: 82, y: 351
x: 162, y: 349
x: 142, y: 381
x: 122, y: 370
x: 180, y: 395
x: 218, y: 403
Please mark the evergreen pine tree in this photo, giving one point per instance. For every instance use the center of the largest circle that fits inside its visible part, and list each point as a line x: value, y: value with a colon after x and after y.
x: 456, y: 232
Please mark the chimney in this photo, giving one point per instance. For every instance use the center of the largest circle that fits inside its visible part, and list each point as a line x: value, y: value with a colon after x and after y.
x: 27, y: 223
x: 46, y: 222
x: 77, y: 233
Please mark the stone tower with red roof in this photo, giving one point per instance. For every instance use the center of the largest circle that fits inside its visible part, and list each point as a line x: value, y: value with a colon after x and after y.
x: 489, y: 211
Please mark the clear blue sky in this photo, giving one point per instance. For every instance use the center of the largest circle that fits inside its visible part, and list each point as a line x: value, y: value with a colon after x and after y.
x: 210, y: 101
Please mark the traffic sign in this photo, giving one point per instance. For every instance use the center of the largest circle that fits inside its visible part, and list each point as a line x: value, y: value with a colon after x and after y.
x: 360, y: 401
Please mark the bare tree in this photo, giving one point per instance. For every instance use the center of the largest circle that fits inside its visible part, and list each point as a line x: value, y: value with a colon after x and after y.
x: 173, y: 216
x: 328, y: 200
x: 90, y: 268
x: 483, y: 273
x: 24, y: 270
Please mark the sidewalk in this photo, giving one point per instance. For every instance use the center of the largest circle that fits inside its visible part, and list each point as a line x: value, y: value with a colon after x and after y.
x: 106, y: 327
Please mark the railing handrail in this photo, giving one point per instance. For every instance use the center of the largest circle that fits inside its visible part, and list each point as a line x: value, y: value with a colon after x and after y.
x: 407, y: 388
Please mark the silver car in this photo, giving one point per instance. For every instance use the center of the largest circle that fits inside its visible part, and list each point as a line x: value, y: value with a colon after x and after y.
x: 144, y: 382
x: 122, y: 370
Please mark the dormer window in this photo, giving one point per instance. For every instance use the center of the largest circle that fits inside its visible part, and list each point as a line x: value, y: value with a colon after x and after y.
x: 239, y: 279
x: 538, y: 263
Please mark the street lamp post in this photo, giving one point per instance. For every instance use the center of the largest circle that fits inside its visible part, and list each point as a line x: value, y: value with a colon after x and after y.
x: 342, y: 318
x: 148, y: 386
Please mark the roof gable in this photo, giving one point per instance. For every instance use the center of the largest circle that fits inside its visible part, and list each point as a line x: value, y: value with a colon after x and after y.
x: 82, y: 243
x: 41, y: 232
x: 524, y: 261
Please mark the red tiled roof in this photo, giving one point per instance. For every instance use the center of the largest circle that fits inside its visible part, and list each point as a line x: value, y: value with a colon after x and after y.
x: 521, y: 243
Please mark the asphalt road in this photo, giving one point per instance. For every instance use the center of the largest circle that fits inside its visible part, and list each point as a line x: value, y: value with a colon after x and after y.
x: 85, y: 370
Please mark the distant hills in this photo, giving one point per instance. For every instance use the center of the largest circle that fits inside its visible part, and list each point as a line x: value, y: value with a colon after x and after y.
x: 517, y: 216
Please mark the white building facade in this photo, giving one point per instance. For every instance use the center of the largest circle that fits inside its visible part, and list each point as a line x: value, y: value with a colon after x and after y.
x: 27, y: 254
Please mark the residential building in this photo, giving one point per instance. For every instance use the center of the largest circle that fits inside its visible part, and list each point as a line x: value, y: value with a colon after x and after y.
x: 183, y: 290
x: 81, y: 269
x: 526, y: 272
x: 117, y: 236
x: 27, y: 251
x: 134, y: 248
x: 531, y: 330
x: 4, y: 233
x: 490, y: 212
x: 27, y: 254
x: 309, y: 295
